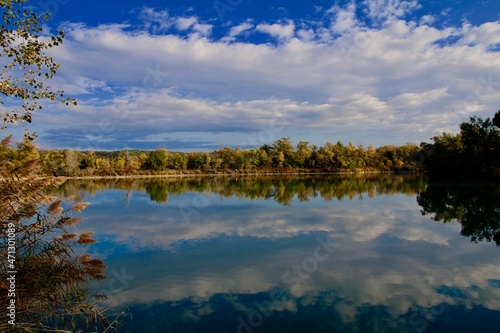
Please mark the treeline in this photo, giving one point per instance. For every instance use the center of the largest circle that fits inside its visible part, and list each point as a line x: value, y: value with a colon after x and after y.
x: 281, y: 156
x: 474, y: 152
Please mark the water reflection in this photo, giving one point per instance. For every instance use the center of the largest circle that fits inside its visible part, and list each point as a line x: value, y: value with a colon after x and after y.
x: 281, y: 189
x: 475, y: 206
x: 334, y: 254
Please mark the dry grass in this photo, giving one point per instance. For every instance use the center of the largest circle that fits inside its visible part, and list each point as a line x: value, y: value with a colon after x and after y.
x: 51, y: 283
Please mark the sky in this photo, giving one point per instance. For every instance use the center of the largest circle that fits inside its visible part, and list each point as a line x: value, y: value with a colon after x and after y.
x: 200, y: 75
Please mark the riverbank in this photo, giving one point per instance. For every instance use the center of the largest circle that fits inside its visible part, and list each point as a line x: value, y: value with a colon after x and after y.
x: 232, y: 174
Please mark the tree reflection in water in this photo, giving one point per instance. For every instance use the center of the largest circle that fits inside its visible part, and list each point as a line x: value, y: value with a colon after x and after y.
x: 476, y: 206
x: 281, y: 189
x: 166, y: 299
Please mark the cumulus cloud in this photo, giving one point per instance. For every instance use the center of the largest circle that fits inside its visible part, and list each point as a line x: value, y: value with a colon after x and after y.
x: 344, y: 18
x: 155, y: 21
x: 411, y: 100
x: 385, y: 9
x: 159, y: 22
x: 401, y: 78
x: 280, y: 31
x: 487, y: 34
x: 237, y: 30
x: 184, y: 23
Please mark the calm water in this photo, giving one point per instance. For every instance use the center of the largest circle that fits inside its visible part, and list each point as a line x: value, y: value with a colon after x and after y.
x: 325, y: 254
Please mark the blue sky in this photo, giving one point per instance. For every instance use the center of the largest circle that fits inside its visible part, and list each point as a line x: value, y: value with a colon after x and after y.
x: 198, y: 75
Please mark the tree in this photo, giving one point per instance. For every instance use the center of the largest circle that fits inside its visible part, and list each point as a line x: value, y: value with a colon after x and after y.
x: 177, y: 161
x: 26, y: 151
x: 353, y: 158
x: 196, y: 161
x: 157, y: 160
x: 481, y: 140
x: 23, y: 77
x: 446, y: 160
x: 89, y: 162
x: 473, y: 153
x: 325, y: 157
x: 284, y: 152
x: 224, y: 158
x: 263, y: 158
x: 303, y: 154
x: 496, y: 119
x: 70, y: 161
x: 53, y: 163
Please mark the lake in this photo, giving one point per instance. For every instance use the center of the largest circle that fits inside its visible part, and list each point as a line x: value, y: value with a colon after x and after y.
x: 381, y: 253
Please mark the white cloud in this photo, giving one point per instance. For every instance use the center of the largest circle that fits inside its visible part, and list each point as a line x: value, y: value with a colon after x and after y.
x: 280, y: 31
x: 377, y: 80
x: 155, y: 21
x: 306, y: 34
x: 187, y: 23
x: 427, y: 20
x: 385, y: 9
x: 486, y: 34
x: 237, y: 30
x: 158, y: 22
x: 204, y: 29
x: 87, y: 86
x: 410, y: 100
x: 184, y: 23
x: 344, y: 18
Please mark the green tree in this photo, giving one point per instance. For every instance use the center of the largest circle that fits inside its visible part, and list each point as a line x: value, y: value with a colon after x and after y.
x: 225, y: 158
x: 303, y: 154
x: 157, y: 160
x: 496, y: 119
x: 177, y: 161
x: 446, y: 159
x: 139, y: 161
x: 119, y: 163
x: 88, y: 162
x: 325, y: 157
x: 26, y: 151
x: 103, y: 166
x: 353, y: 160
x: 284, y: 152
x: 481, y: 140
x: 53, y: 163
x: 263, y: 158
x: 250, y: 158
x: 370, y: 155
x: 196, y: 161
x: 473, y: 153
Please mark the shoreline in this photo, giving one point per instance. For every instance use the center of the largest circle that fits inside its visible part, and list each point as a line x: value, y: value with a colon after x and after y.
x: 234, y: 174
